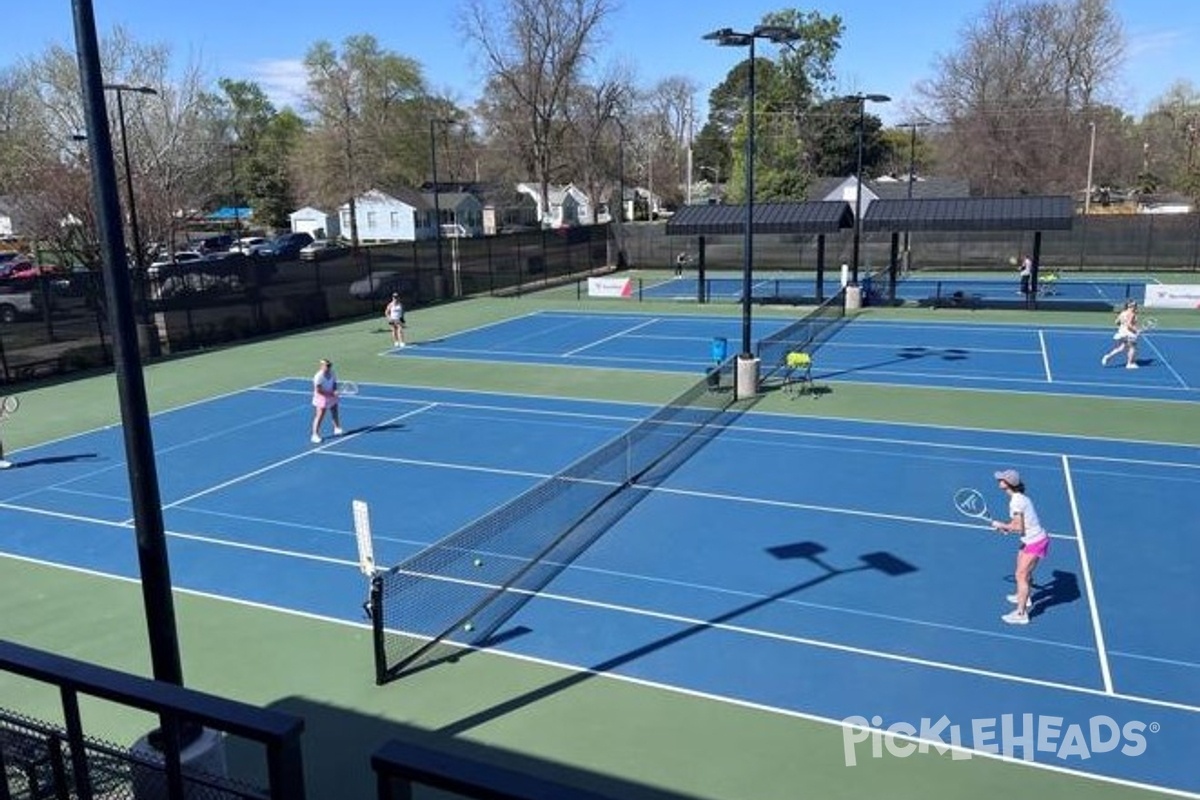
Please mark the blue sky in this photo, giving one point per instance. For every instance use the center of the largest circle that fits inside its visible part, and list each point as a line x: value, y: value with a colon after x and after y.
x: 888, y: 46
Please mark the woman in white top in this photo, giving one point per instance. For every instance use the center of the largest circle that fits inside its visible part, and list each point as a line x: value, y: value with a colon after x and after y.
x: 1126, y: 336
x: 395, y: 317
x: 1035, y: 542
x: 325, y: 399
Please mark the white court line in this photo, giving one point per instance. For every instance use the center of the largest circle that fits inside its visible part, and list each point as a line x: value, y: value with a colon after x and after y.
x: 282, y: 462
x: 819, y: 644
x: 970, y: 448
x: 120, y: 463
x: 1045, y: 356
x: 1101, y: 651
x: 735, y: 498
x: 851, y: 512
x: 679, y: 619
x: 936, y: 743
x: 933, y: 350
x: 1167, y: 364
x: 617, y: 335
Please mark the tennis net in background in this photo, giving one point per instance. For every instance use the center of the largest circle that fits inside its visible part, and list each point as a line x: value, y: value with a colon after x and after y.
x: 806, y: 334
x: 461, y: 590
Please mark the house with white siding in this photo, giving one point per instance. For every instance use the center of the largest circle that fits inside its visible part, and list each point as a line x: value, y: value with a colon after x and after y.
x: 568, y: 205
x: 402, y: 215
x: 315, y: 223
x: 461, y: 212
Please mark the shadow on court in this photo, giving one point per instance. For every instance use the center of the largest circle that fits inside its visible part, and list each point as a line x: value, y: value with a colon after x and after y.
x: 51, y: 460
x: 1062, y: 588
x: 339, y: 742
x: 812, y: 552
x: 906, y: 355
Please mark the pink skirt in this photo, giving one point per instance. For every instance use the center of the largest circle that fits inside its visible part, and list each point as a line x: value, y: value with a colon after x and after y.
x: 324, y: 400
x: 1037, y: 549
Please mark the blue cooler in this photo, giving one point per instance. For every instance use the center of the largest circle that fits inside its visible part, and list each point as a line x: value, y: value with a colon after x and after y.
x: 720, y: 349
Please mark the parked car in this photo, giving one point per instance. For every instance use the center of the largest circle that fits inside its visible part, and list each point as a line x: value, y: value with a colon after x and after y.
x: 380, y: 285
x: 17, y: 302
x: 287, y: 245
x: 12, y: 262
x: 221, y: 243
x: 321, y: 248
x: 175, y: 259
x: 248, y: 245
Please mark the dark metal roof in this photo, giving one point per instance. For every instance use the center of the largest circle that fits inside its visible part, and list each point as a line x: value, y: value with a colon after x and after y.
x: 806, y: 217
x: 971, y: 214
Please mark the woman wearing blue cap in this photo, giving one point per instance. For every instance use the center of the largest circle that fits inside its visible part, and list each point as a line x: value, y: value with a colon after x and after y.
x: 1035, y: 542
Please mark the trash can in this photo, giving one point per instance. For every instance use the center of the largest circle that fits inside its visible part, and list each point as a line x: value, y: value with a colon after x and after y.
x: 853, y: 298
x: 720, y: 349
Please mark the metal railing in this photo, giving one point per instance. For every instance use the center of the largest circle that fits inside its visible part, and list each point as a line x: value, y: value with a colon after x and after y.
x: 64, y: 762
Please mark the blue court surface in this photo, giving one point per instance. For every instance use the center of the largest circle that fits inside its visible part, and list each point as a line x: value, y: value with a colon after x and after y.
x: 810, y: 567
x: 729, y: 287
x: 1015, y: 358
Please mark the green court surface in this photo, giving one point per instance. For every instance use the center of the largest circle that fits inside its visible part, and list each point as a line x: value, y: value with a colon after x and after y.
x: 631, y: 739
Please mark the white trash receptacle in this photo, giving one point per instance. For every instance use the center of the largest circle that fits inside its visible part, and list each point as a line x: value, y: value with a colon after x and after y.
x: 853, y: 298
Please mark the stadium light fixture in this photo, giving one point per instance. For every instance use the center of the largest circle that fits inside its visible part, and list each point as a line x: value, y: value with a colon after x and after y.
x: 727, y: 37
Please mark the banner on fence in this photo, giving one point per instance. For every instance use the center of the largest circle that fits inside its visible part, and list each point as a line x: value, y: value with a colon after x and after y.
x: 610, y: 287
x: 1165, y: 295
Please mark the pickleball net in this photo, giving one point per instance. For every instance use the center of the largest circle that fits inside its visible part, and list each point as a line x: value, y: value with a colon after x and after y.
x: 806, y: 334
x: 460, y: 591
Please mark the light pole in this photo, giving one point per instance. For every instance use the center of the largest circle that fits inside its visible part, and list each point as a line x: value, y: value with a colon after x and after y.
x: 437, y: 210
x: 861, y: 99
x: 727, y: 37
x: 912, y: 175
x: 121, y: 89
x: 153, y: 558
x: 1087, y: 193
x: 234, y: 147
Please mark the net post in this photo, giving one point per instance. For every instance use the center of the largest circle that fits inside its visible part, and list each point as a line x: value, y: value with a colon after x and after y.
x: 375, y: 600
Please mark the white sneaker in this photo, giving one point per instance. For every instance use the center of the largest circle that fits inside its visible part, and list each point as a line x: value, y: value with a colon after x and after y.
x: 1012, y: 598
x: 337, y: 431
x: 5, y: 464
x: 1131, y: 365
x: 315, y: 439
x: 1015, y: 618
x: 1104, y: 361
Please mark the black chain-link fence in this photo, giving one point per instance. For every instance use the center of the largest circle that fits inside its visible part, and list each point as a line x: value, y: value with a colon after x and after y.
x: 1144, y: 243
x: 56, y: 324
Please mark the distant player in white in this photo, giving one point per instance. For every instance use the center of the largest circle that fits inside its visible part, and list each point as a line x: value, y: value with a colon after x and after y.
x: 1126, y: 336
x: 395, y: 317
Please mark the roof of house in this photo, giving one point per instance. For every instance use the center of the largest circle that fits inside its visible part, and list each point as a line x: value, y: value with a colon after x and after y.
x: 449, y: 199
x: 891, y: 188
x: 808, y: 217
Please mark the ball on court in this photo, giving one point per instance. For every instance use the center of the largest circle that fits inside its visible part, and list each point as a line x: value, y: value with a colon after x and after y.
x: 468, y: 627
x: 479, y: 562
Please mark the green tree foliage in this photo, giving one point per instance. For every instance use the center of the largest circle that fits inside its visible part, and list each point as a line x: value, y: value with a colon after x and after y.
x: 787, y: 89
x: 261, y: 144
x: 371, y: 108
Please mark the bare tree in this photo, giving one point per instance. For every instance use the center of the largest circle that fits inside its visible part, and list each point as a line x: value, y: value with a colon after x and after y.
x: 535, y: 53
x: 671, y: 102
x: 1018, y: 93
x: 167, y: 141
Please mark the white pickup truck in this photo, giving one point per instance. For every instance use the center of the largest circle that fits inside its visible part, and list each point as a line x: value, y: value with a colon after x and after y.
x: 18, y: 302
